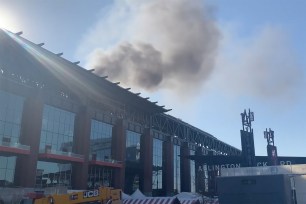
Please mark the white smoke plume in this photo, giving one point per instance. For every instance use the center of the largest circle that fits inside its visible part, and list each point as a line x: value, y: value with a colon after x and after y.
x: 265, y: 66
x: 171, y: 44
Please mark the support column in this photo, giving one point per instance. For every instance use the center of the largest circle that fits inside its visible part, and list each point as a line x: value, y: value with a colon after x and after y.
x: 185, y: 168
x: 200, y: 173
x: 25, y: 173
x: 168, y: 167
x: 118, y: 152
x: 82, y: 128
x: 212, y: 174
x: 146, y: 156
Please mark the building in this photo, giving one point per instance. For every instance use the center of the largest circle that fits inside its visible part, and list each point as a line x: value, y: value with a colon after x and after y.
x: 61, y: 124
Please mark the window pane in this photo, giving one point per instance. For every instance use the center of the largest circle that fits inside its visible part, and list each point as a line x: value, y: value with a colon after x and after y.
x: 157, y: 173
x: 176, y: 169
x: 132, y: 146
x: 50, y: 174
x: 100, y: 140
x: 56, y: 126
x: 10, y: 115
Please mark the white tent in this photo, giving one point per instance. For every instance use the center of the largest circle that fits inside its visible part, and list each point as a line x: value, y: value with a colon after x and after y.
x: 138, y: 194
x: 188, y: 195
x: 189, y: 198
x: 125, y: 196
x: 151, y: 200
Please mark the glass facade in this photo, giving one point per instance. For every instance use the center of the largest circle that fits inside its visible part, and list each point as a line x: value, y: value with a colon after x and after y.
x: 7, y: 170
x: 99, y: 176
x: 202, y: 184
x: 50, y: 174
x: 100, y: 140
x: 132, y: 146
x: 192, y: 174
x: 157, y: 175
x: 206, y: 179
x: 57, y: 129
x: 133, y: 171
x: 176, y: 169
x: 57, y: 133
x: 11, y: 107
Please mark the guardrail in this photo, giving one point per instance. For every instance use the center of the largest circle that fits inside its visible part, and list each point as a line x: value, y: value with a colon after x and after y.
x: 14, y: 145
x: 57, y: 152
x: 93, y: 157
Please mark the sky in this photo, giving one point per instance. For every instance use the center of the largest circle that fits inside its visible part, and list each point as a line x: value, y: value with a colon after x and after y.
x: 206, y: 60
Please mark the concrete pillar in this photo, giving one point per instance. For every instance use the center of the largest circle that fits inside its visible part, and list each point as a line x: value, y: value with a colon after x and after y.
x: 168, y: 167
x: 146, y: 157
x: 118, y: 152
x: 81, y: 145
x: 185, y: 168
x: 25, y: 173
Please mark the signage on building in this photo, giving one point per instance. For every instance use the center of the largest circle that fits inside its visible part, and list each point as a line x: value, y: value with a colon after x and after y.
x: 229, y: 166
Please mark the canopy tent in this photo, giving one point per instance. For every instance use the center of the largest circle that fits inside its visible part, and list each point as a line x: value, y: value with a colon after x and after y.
x: 152, y: 200
x: 138, y: 194
x: 182, y: 198
x: 189, y: 198
x: 125, y: 196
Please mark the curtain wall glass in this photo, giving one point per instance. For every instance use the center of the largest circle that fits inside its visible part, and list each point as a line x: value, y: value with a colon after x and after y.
x: 157, y: 174
x: 176, y: 169
x: 11, y: 107
x: 192, y: 173
x: 100, y: 140
x: 99, y: 176
x: 50, y: 174
x: 57, y: 129
x: 132, y: 146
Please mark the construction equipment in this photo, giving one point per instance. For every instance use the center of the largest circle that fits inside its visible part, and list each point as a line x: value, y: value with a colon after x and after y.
x: 102, y: 195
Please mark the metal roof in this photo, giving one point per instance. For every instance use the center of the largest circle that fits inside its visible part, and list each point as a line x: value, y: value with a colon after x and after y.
x: 34, y: 61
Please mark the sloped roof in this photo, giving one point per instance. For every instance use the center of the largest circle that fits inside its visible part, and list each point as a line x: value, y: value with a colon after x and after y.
x: 36, y: 63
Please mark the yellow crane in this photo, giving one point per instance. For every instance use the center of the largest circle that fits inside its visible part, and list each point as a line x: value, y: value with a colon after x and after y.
x: 102, y: 195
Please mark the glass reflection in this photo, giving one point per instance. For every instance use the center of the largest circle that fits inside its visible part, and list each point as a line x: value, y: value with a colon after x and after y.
x: 100, y: 141
x: 57, y: 129
x: 50, y: 174
x: 7, y: 170
x: 99, y: 176
x: 176, y: 169
x: 11, y: 107
x: 132, y: 146
x: 192, y: 173
x: 157, y: 175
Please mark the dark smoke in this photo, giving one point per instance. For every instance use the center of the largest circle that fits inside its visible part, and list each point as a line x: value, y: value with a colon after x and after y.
x: 173, y: 44
x: 138, y: 64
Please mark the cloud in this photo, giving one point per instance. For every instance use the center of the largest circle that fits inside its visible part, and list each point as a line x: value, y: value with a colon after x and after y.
x: 264, y: 66
x: 163, y: 45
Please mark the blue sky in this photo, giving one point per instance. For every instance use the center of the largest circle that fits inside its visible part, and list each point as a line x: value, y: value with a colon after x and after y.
x: 260, y: 62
